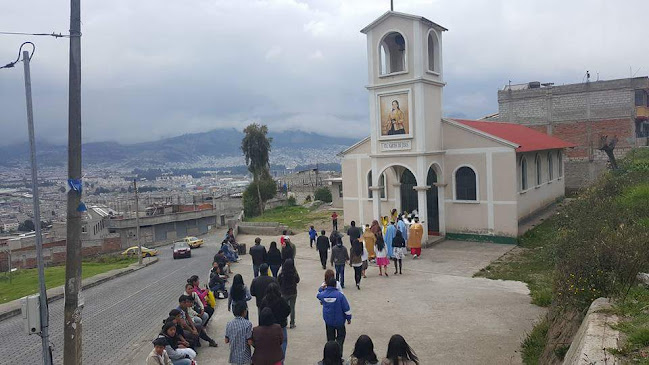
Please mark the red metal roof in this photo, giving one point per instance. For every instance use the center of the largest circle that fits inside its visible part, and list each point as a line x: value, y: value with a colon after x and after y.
x: 526, y: 138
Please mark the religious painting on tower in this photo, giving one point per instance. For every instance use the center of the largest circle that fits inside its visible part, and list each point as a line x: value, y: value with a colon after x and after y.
x: 395, y: 114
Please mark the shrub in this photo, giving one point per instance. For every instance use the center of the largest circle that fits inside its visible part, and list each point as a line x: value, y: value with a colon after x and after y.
x: 291, y: 201
x: 323, y: 194
x: 267, y: 188
x: 308, y: 198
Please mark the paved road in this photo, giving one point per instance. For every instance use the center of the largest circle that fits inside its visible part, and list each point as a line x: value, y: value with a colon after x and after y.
x: 120, y: 316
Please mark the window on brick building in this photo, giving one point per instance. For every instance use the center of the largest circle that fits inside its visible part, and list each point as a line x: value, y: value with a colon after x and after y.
x: 560, y: 163
x: 523, y: 173
x: 640, y: 98
x: 550, y: 167
x: 539, y: 170
x: 466, y: 184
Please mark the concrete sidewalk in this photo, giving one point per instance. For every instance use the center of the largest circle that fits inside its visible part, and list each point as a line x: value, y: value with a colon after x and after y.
x: 10, y: 309
x: 446, y: 315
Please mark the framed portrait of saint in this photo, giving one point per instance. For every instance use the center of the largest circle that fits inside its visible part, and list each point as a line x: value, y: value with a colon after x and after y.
x: 394, y: 114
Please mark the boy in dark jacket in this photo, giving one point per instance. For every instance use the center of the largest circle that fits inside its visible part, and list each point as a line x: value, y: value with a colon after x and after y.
x: 322, y: 245
x: 258, y: 255
x: 335, y: 311
x: 339, y: 256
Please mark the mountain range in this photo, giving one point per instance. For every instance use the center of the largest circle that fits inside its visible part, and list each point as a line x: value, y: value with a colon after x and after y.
x: 217, y: 148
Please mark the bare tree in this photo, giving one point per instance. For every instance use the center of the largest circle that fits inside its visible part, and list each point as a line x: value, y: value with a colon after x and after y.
x: 608, y: 146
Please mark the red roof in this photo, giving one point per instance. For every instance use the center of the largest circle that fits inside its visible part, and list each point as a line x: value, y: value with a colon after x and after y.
x: 526, y: 138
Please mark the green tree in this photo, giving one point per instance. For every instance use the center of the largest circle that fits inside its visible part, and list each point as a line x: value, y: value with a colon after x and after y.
x: 256, y: 150
x: 323, y: 194
x: 266, y: 187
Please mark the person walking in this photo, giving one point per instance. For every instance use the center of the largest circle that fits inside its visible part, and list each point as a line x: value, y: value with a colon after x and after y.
x: 313, y: 234
x: 398, y: 251
x: 238, y: 334
x: 354, y: 232
x: 322, y: 245
x: 267, y: 340
x: 381, y: 256
x: 274, y: 258
x: 339, y: 257
x: 288, y: 280
x: 365, y: 258
x: 258, y: 255
x: 399, y: 353
x: 401, y: 226
x: 334, y: 221
x: 376, y: 228
x: 288, y: 251
x: 280, y: 308
x: 414, y: 238
x: 390, y: 233
x: 363, y: 352
x: 239, y: 293
x: 356, y: 261
x: 370, y: 239
x: 260, y: 284
x: 335, y: 312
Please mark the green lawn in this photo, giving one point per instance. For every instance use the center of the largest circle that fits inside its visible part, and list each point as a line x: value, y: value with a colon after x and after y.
x: 532, y: 263
x: 634, y: 323
x: 297, y: 218
x: 25, y: 282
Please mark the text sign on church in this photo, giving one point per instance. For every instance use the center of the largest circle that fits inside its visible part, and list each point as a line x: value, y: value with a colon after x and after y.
x: 402, y: 145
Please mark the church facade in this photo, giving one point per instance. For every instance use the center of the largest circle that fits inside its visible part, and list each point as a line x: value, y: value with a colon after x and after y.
x: 466, y: 179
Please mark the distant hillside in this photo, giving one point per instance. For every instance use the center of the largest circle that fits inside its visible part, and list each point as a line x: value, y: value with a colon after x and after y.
x: 219, y: 146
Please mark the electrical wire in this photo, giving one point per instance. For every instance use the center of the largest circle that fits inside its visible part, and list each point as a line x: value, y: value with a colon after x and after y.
x: 55, y: 35
x: 12, y: 64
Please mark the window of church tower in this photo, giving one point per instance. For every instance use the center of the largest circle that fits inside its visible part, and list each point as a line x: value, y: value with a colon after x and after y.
x: 433, y: 52
x: 465, y: 184
x: 392, y: 54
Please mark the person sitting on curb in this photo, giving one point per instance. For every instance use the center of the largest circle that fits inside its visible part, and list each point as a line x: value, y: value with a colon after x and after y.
x: 178, y: 354
x: 158, y: 356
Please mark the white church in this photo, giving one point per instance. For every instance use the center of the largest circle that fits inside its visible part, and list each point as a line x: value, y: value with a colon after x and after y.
x: 469, y: 180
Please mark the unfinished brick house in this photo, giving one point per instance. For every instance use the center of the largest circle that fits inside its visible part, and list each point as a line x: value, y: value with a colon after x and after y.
x: 582, y: 114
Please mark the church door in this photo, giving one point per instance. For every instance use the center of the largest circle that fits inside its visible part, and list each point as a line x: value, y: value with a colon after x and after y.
x: 408, y: 193
x: 433, y: 208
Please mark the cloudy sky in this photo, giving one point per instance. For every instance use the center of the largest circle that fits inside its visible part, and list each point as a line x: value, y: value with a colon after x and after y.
x: 160, y: 68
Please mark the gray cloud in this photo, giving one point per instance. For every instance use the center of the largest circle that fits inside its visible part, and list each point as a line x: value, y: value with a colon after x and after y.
x: 154, y: 68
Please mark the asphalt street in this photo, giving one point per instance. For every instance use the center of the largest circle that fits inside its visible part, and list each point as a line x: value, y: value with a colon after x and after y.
x: 120, y: 316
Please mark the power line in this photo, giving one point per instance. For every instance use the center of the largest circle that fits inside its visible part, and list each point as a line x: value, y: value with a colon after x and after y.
x: 12, y: 64
x: 55, y: 35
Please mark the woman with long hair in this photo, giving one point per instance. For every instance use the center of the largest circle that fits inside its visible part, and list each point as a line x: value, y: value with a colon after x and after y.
x: 273, y: 300
x: 331, y: 355
x: 202, y: 294
x: 328, y: 275
x: 356, y: 261
x: 363, y: 352
x: 239, y: 293
x: 399, y: 352
x: 267, y: 339
x: 288, y: 280
x: 274, y: 258
x: 381, y: 255
x: 398, y: 251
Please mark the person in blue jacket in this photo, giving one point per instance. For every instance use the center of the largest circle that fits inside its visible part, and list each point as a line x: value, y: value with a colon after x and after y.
x: 313, y: 234
x: 403, y: 227
x: 335, y: 312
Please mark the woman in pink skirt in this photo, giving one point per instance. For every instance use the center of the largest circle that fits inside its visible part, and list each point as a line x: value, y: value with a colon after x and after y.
x: 381, y: 252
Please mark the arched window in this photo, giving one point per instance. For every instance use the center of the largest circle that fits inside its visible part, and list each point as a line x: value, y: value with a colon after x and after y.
x: 560, y: 163
x: 523, y: 173
x: 433, y: 52
x: 465, y: 184
x: 539, y: 171
x: 550, y: 167
x: 381, y: 184
x: 392, y: 53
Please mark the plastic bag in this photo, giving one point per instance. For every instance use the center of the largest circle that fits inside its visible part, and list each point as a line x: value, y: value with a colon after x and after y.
x: 211, y: 300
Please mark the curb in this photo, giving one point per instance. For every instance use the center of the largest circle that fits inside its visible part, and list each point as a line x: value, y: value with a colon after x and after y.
x: 13, y: 308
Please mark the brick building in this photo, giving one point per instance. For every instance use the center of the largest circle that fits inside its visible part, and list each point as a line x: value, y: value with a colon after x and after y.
x: 582, y: 113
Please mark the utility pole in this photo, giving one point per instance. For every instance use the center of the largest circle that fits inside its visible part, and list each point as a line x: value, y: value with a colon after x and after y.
x: 137, y: 224
x: 72, y: 312
x: 44, y: 313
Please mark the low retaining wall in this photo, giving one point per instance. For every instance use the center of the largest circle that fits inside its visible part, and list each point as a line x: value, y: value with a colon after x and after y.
x: 261, y: 228
x: 594, y: 337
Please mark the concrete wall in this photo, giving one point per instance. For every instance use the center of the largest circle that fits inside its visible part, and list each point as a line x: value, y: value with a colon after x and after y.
x: 538, y: 196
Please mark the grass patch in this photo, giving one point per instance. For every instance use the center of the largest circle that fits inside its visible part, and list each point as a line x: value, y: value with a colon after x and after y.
x: 25, y: 282
x: 297, y: 218
x: 532, y: 263
x: 534, y: 345
x: 634, y: 323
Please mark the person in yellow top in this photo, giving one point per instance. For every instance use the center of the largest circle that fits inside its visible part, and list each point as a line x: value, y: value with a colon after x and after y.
x: 384, y: 223
x: 396, y: 120
x: 393, y: 215
x: 415, y: 234
x: 370, y: 239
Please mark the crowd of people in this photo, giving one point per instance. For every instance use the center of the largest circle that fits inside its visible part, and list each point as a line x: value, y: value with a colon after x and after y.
x: 275, y: 289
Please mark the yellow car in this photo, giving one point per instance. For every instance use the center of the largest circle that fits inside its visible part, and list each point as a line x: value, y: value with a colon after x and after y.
x: 146, y: 252
x: 193, y: 242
